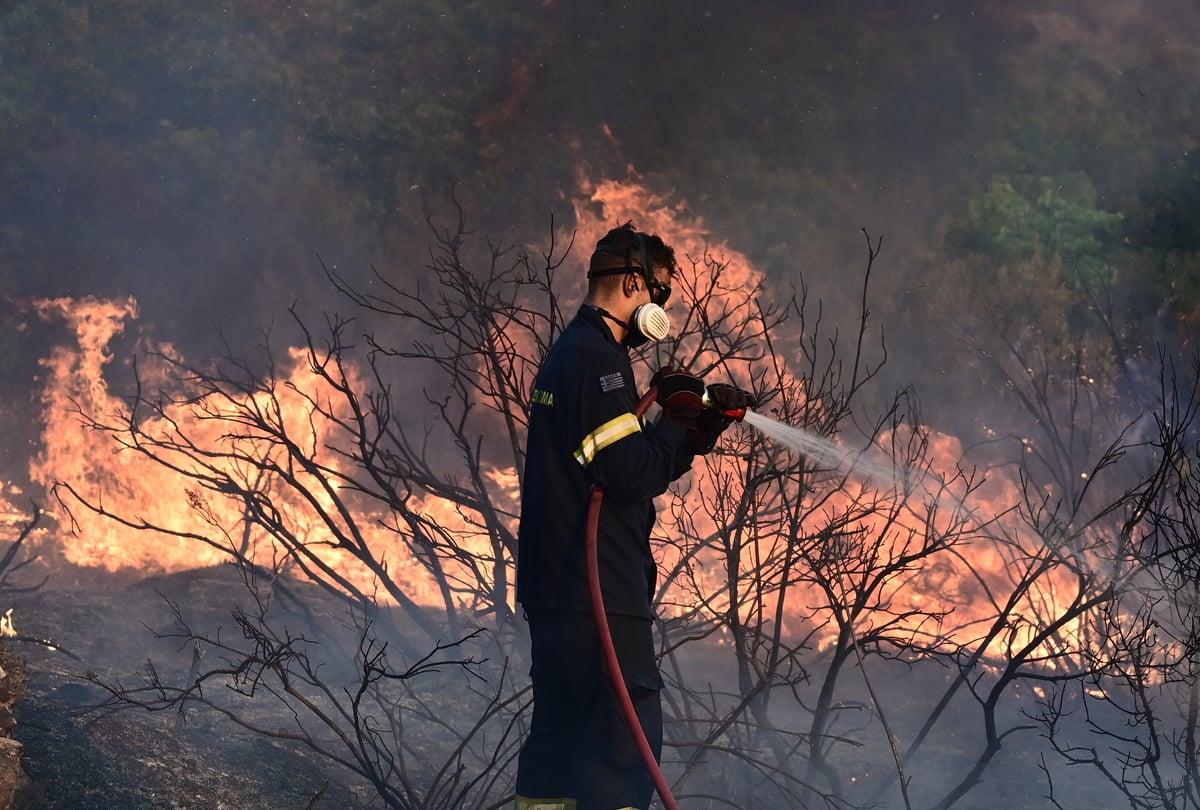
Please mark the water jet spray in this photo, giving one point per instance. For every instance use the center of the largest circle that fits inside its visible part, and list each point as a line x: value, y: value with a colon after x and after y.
x: 821, y: 449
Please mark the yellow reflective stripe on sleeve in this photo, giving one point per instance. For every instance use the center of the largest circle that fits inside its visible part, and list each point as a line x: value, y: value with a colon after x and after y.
x: 611, y: 431
x: 526, y: 803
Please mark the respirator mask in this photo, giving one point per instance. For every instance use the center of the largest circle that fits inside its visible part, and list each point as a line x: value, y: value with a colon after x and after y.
x: 649, y: 321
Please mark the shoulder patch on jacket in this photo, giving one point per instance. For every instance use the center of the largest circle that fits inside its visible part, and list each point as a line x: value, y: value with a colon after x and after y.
x: 611, y: 382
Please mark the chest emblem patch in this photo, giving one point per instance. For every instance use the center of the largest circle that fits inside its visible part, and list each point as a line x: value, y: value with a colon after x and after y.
x: 611, y: 382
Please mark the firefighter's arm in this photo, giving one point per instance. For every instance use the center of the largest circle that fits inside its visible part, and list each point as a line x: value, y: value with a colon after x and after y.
x: 631, y: 461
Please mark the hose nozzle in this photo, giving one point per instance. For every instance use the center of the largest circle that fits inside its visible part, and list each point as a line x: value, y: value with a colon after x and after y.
x: 737, y: 413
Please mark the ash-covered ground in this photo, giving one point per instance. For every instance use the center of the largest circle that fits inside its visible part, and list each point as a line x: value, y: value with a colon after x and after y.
x: 138, y: 759
x: 134, y: 758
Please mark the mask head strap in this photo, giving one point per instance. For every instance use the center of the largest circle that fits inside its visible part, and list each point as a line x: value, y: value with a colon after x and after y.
x: 659, y: 292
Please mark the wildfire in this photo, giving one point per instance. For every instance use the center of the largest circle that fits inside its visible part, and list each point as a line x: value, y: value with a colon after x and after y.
x: 130, y: 483
x: 7, y: 630
x: 956, y: 584
x: 156, y: 492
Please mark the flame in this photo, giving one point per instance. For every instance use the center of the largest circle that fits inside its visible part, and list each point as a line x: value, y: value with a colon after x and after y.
x: 7, y: 630
x: 11, y: 515
x: 130, y: 483
x: 608, y: 203
x: 133, y: 485
x: 946, y: 582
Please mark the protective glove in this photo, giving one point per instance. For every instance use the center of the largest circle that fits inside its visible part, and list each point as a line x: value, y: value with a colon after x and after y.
x: 680, y: 395
x: 723, y: 397
x: 712, y: 421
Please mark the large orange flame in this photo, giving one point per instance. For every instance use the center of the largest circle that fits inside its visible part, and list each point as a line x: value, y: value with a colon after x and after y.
x: 130, y: 483
x: 955, y: 582
x: 133, y: 485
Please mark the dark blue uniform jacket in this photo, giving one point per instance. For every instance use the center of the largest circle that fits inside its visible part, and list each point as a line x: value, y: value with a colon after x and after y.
x: 582, y: 430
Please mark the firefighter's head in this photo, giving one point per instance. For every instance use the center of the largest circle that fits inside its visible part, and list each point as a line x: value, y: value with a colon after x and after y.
x: 629, y: 279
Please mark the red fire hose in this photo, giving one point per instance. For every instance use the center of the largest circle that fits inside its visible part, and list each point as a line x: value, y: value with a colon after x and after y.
x: 610, y: 652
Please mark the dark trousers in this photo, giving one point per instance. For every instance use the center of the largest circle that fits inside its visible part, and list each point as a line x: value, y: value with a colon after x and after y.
x: 579, y: 745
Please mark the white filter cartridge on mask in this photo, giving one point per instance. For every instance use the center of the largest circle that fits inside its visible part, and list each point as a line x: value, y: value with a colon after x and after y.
x: 652, y: 321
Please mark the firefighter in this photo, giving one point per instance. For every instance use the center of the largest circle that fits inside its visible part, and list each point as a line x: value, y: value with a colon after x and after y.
x: 579, y: 754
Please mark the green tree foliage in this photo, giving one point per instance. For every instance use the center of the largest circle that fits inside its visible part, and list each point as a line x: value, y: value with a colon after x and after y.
x: 1006, y: 226
x: 1038, y: 257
